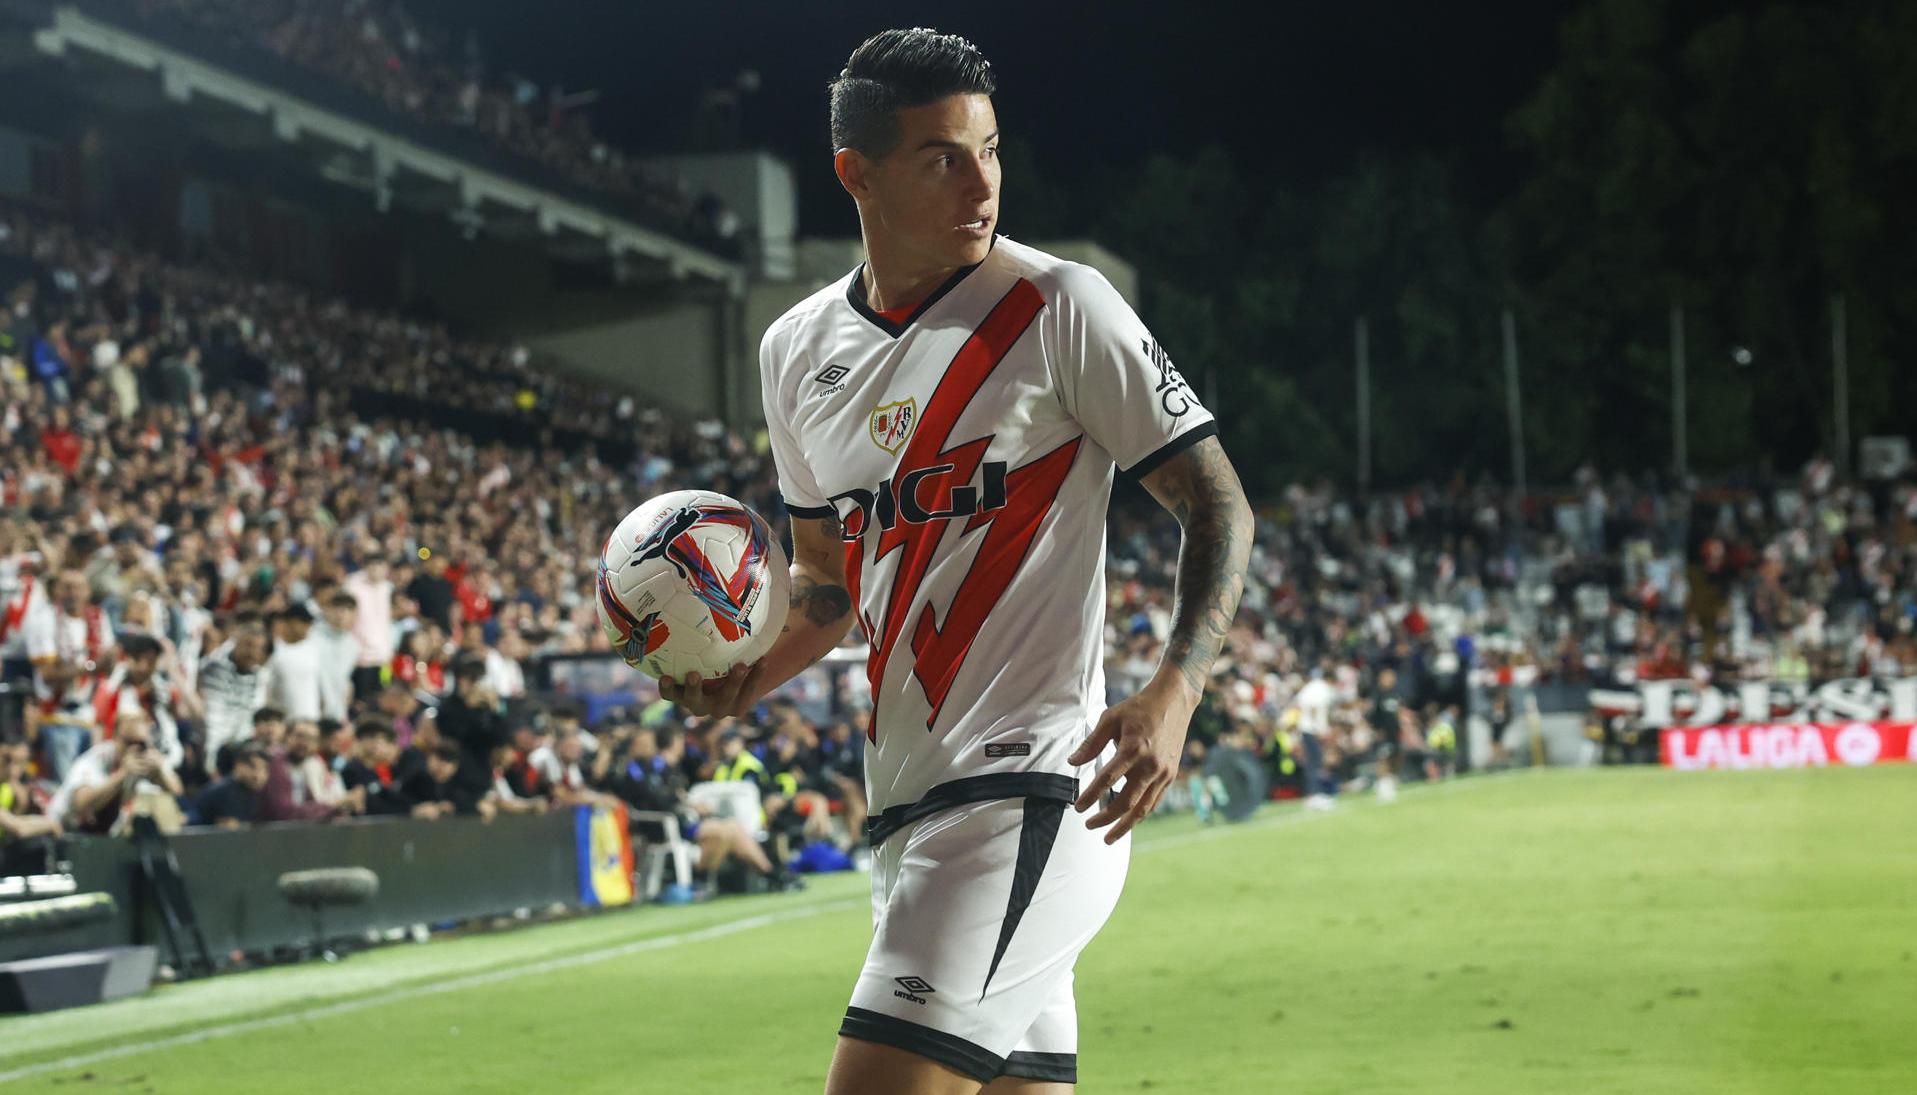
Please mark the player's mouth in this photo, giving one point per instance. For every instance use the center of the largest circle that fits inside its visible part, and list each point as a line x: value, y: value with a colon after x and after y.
x: 977, y: 229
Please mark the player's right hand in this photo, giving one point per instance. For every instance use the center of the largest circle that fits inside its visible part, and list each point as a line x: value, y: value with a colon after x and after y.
x: 730, y: 696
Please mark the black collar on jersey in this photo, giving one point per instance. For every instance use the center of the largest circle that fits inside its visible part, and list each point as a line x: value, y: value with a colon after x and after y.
x: 855, y: 295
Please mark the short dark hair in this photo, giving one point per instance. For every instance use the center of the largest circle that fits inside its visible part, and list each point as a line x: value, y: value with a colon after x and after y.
x: 138, y: 645
x: 246, y: 752
x: 374, y: 726
x: 268, y: 714
x: 342, y: 599
x: 896, y: 69
x: 447, y: 751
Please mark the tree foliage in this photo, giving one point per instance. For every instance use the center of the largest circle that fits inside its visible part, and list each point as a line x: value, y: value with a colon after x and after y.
x: 1744, y: 162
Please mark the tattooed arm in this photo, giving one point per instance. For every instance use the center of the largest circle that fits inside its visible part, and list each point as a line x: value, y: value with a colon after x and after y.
x: 1202, y: 491
x: 820, y: 615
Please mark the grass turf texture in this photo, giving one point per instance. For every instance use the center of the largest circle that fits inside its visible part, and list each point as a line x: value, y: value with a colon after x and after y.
x: 1606, y: 931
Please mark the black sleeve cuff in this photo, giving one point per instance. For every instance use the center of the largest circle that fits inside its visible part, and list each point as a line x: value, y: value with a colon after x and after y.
x: 1172, y: 448
x: 810, y: 513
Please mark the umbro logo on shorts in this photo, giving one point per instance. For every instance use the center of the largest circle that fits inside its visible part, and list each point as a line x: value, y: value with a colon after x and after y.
x: 833, y: 379
x: 912, y: 986
x: 998, y: 749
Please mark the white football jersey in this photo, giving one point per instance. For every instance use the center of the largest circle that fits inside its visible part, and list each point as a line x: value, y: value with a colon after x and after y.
x: 969, y: 452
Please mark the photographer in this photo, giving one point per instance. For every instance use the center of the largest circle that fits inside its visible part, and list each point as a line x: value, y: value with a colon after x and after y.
x: 106, y: 777
x: 23, y: 832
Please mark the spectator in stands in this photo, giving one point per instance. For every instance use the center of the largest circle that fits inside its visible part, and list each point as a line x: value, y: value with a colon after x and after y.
x: 136, y: 684
x: 24, y: 829
x: 233, y: 687
x: 842, y: 768
x: 472, y: 716
x: 269, y: 727
x: 1314, y: 703
x: 294, y: 671
x: 310, y: 780
x: 399, y: 703
x: 372, y: 591
x: 120, y: 568
x: 654, y: 779
x: 338, y: 652
x: 420, y: 782
x: 371, y: 769
x: 432, y: 591
x: 233, y: 801
x: 69, y: 642
x: 440, y: 789
x: 52, y: 361
x: 106, y: 779
x: 504, y: 795
x: 560, y: 770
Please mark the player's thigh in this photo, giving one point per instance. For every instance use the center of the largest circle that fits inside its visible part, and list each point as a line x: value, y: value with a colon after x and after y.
x: 869, y: 1068
x: 1018, y: 1085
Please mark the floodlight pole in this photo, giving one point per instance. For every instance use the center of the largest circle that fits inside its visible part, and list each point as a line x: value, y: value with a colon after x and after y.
x: 1362, y: 337
x: 1680, y: 437
x: 1840, y: 382
x: 1514, y: 402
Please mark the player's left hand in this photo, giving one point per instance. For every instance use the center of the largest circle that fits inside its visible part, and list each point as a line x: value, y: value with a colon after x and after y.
x: 1150, y: 731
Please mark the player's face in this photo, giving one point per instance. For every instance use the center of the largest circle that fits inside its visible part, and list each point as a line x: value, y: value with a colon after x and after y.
x: 935, y: 196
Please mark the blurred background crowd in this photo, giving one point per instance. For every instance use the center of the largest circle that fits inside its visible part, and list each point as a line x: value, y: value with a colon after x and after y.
x: 226, y: 578
x: 422, y: 72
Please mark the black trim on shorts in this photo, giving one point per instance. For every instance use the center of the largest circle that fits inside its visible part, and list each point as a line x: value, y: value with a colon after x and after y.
x: 810, y: 513
x: 950, y: 1050
x: 1035, y: 839
x: 1059, y: 1068
x: 963, y: 792
x: 1172, y: 448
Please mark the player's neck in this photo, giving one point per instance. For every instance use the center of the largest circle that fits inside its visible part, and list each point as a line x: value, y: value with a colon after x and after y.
x: 893, y: 281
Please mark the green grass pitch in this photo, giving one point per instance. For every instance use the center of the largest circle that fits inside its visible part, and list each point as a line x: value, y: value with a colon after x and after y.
x: 1603, y: 931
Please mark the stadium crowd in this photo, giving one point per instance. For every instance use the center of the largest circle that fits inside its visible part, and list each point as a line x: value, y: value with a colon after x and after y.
x: 227, y: 588
x: 427, y: 74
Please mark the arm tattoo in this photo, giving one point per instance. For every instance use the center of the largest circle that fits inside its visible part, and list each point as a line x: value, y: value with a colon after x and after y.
x: 822, y: 605
x: 1201, y: 490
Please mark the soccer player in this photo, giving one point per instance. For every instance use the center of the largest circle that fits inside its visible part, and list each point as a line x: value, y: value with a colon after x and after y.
x: 946, y: 421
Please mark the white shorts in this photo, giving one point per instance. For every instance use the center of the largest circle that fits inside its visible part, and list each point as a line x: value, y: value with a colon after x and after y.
x: 981, y: 909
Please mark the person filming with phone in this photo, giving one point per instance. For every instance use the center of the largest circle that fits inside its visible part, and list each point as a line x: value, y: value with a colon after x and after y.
x: 106, y: 777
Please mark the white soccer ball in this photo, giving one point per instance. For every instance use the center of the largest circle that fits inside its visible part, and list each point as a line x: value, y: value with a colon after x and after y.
x: 692, y: 581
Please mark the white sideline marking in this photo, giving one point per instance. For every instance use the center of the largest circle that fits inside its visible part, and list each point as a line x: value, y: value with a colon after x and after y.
x: 469, y: 981
x: 549, y: 965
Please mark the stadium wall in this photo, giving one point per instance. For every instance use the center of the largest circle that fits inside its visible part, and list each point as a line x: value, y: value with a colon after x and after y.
x: 430, y: 872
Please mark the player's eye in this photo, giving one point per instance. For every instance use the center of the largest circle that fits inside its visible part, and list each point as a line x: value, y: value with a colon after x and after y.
x: 943, y: 161
x: 991, y: 152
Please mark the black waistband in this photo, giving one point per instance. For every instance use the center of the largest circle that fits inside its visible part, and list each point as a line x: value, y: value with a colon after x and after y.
x: 961, y: 792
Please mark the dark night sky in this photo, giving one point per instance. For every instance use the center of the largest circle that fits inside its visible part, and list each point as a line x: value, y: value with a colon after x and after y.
x: 1294, y: 91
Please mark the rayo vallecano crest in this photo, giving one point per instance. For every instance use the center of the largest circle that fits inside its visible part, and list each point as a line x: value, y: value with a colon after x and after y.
x: 892, y: 423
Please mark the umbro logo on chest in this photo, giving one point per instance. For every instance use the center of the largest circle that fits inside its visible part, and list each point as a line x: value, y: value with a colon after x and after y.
x: 830, y: 380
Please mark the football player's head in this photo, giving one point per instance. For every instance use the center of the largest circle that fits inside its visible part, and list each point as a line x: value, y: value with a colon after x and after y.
x: 915, y: 142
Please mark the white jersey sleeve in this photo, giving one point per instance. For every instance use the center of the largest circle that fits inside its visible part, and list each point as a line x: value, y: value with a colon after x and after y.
x: 803, y: 498
x: 1114, y: 378
x: 42, y: 633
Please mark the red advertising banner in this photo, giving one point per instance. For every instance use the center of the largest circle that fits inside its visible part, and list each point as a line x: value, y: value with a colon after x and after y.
x: 1789, y: 745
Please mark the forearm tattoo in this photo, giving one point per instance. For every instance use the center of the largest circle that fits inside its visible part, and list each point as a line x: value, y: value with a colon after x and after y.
x: 822, y: 605
x: 1202, y: 492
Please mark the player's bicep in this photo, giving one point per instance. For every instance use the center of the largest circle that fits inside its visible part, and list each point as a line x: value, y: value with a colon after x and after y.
x: 1196, y: 481
x: 819, y: 592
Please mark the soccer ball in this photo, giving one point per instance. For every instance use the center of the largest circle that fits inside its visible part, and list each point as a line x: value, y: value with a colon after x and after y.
x: 692, y: 581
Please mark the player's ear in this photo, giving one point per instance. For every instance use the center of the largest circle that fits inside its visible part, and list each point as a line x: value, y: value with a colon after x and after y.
x: 854, y: 172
